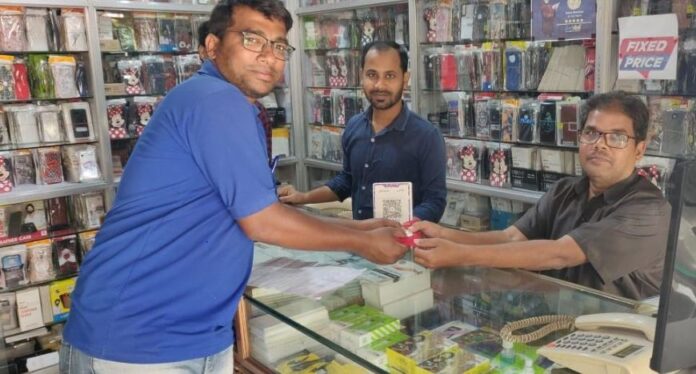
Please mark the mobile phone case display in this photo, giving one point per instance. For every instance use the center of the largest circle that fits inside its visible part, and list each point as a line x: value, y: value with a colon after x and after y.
x: 48, y: 165
x: 39, y: 29
x: 40, y: 76
x: 333, y: 95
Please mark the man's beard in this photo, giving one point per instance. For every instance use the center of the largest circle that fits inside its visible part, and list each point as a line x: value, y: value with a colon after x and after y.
x: 389, y: 102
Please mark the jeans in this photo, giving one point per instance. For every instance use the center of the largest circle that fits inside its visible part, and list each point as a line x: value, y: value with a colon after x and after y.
x: 74, y: 361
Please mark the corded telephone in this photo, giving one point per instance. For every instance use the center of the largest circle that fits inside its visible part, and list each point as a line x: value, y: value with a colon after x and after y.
x: 611, y: 343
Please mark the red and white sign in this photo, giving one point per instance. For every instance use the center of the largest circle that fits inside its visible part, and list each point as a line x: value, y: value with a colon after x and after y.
x: 648, y: 47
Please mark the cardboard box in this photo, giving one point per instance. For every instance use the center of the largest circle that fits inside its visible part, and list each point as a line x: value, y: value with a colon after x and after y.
x: 410, y: 305
x: 386, y: 284
x: 29, y: 309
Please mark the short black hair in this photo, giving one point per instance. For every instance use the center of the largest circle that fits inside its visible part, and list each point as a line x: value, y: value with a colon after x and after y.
x: 383, y: 46
x: 630, y: 105
x: 202, y: 32
x: 221, y: 17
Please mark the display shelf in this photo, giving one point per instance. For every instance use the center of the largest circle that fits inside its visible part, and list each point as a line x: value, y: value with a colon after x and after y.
x: 154, y: 7
x: 52, y: 99
x: 344, y: 5
x: 42, y: 192
x: 287, y: 161
x: 41, y: 235
x: 47, y: 3
x: 323, y: 164
x: 139, y: 53
x: 527, y: 92
x: 22, y: 53
x: 37, y: 284
x: 506, y: 193
x: 12, y: 147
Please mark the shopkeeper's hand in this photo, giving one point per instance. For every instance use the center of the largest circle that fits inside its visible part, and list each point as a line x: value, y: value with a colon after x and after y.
x: 429, y: 229
x: 289, y: 195
x: 438, y: 253
x: 375, y: 223
x: 381, y: 246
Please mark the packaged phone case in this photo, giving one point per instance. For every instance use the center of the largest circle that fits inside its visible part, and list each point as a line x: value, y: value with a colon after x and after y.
x: 50, y: 165
x: 499, y: 161
x: 470, y: 156
x: 6, y: 178
x: 80, y: 163
x: 78, y: 121
x: 513, y: 69
x: 50, y: 124
x: 12, y: 36
x: 116, y: 114
x: 131, y: 72
x: 24, y: 168
x: 153, y: 74
x: 144, y: 108
x: 81, y: 78
x: 125, y: 33
x: 20, y: 76
x: 55, y: 40
x: 483, y: 126
x: 74, y: 30
x: 58, y: 213
x: 196, y: 21
x: 527, y: 128
x: 497, y: 27
x: 547, y: 122
x: 186, y: 66
x: 495, y: 119
x: 145, y: 27
x: 65, y: 255
x: 509, y: 119
x: 63, y: 71
x: 40, y: 261
x: 40, y: 78
x: 36, y: 21
x: 13, y: 262
x: 87, y: 239
x: 4, y: 131
x: 8, y: 309
x: 183, y: 35
x: 167, y: 37
x: 90, y: 209
x: 448, y: 71
x: 22, y: 123
x: 7, y: 84
x: 567, y: 129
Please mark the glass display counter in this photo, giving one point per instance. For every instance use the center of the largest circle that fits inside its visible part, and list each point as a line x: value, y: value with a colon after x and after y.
x: 397, y: 318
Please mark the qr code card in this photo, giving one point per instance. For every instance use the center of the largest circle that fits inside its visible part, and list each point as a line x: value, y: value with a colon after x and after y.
x: 393, y: 201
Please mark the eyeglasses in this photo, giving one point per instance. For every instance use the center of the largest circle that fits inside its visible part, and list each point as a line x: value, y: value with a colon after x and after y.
x: 256, y: 43
x: 612, y: 139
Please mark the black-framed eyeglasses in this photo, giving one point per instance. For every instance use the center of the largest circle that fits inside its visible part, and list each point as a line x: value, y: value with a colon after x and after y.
x: 612, y: 139
x: 256, y: 43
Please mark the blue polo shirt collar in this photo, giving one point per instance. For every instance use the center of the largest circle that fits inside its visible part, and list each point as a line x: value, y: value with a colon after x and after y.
x: 398, y: 124
x: 209, y: 68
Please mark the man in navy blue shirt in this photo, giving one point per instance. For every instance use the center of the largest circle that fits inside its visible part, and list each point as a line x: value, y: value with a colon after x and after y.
x: 159, y: 290
x: 386, y: 143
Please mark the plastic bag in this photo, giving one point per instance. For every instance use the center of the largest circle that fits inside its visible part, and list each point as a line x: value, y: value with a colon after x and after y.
x: 12, y: 36
x: 36, y: 21
x: 74, y: 30
x: 63, y: 71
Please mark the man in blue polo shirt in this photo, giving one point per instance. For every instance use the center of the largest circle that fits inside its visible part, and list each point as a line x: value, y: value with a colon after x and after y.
x: 159, y: 290
x: 386, y: 143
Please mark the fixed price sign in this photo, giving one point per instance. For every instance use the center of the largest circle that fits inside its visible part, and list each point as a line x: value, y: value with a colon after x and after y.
x: 648, y: 47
